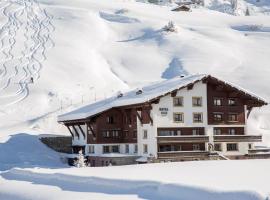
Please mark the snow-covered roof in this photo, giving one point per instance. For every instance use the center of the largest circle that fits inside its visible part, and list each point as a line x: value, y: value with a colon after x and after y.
x: 133, y: 97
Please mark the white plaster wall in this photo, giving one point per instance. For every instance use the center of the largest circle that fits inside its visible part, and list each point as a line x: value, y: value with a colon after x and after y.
x: 151, y: 139
x: 199, y: 90
x: 242, y: 148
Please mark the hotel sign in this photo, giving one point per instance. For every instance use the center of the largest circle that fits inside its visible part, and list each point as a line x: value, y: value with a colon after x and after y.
x: 163, y: 111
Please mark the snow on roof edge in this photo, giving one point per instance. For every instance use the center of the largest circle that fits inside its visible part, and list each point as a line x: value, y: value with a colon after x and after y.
x: 165, y: 86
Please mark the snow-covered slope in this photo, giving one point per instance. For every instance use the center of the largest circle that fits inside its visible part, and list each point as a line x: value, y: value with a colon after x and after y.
x: 84, y: 50
x: 205, y: 180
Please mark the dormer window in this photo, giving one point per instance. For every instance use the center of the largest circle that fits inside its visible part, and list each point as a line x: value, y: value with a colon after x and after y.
x: 119, y: 94
x: 139, y: 91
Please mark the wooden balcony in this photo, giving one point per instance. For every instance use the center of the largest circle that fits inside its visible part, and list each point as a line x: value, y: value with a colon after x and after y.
x: 183, y: 154
x: 182, y: 139
x: 237, y: 138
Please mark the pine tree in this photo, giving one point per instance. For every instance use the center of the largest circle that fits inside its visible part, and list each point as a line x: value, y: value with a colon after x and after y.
x: 170, y: 27
x: 80, y: 161
x: 247, y: 12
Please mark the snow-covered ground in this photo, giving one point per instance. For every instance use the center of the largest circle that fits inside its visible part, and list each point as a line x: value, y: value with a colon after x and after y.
x: 84, y: 50
x: 30, y: 170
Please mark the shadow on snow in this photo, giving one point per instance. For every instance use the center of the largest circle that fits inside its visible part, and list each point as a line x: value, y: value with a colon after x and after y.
x: 148, y: 34
x: 150, y: 190
x: 24, y: 151
x: 118, y: 18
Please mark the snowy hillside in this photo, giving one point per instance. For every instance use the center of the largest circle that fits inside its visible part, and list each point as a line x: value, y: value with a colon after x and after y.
x: 80, y: 51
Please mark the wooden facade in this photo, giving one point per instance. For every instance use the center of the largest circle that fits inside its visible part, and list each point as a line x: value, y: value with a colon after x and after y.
x: 215, y: 92
x: 120, y: 125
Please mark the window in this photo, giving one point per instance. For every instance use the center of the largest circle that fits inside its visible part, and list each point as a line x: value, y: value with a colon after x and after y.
x: 178, y: 117
x: 106, y: 149
x: 115, y: 133
x: 217, y: 147
x: 218, y: 117
x: 232, y: 102
x: 106, y: 134
x: 91, y: 149
x: 135, y: 134
x: 178, y: 132
x: 232, y: 118
x: 126, y: 133
x: 110, y: 149
x: 217, y: 101
x: 197, y: 117
x: 232, y: 147
x: 178, y: 101
x: 196, y: 147
x: 232, y: 131
x: 115, y: 149
x: 135, y: 148
x: 127, y: 148
x: 217, y: 131
x: 110, y: 120
x: 168, y: 148
x: 249, y: 146
x: 145, y: 148
x: 169, y: 132
x: 144, y: 134
x: 196, y: 132
x: 197, y: 101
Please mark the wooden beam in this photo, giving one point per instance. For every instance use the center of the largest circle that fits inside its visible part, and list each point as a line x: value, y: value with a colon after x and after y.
x: 92, y: 130
x: 205, y: 80
x: 173, y: 93
x: 140, y: 118
x: 190, y: 86
x: 155, y: 101
x: 149, y: 115
x: 76, y: 131
x: 249, y: 111
x: 82, y: 131
x: 219, y: 87
x: 70, y: 131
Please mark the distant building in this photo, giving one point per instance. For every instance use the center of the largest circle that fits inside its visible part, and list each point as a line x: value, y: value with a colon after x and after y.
x: 182, y: 8
x: 196, y: 117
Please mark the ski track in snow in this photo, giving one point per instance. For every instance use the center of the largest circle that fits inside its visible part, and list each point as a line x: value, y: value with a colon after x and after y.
x: 21, y: 57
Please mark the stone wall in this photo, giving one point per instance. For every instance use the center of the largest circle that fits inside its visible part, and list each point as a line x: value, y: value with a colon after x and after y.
x: 105, y: 161
x: 60, y: 144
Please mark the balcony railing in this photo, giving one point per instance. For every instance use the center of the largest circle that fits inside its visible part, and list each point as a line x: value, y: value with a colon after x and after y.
x: 237, y: 138
x: 182, y: 154
x: 182, y: 139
